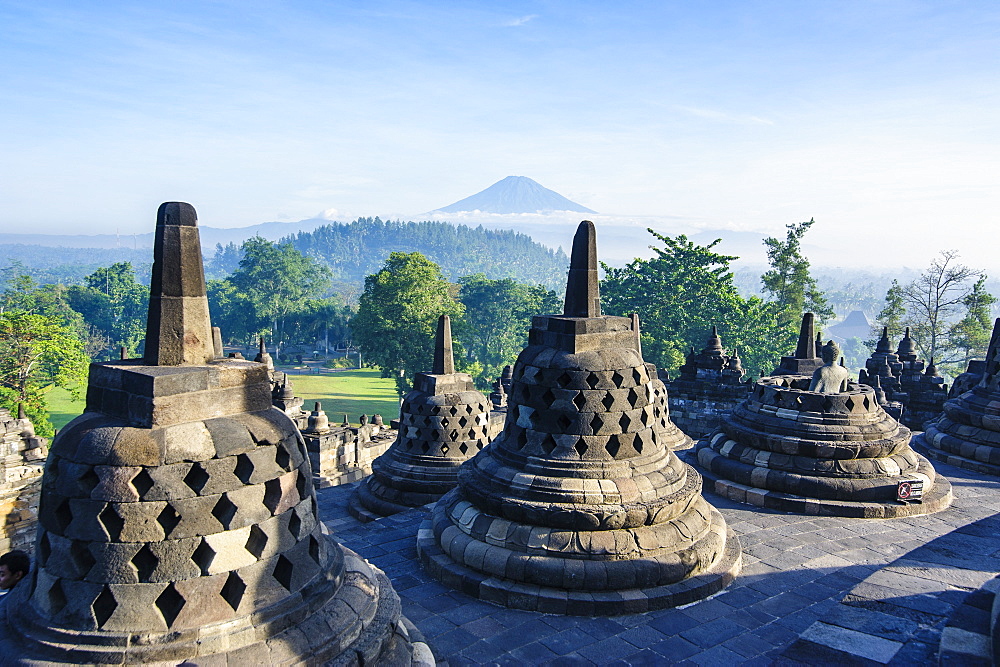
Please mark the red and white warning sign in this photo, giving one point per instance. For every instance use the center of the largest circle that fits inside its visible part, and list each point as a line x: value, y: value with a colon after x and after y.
x: 910, y: 491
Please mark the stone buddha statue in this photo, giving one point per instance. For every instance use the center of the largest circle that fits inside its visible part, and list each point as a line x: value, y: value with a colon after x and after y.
x: 830, y: 378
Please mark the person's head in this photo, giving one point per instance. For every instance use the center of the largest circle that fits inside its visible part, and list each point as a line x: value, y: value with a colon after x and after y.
x: 830, y: 352
x: 14, y: 566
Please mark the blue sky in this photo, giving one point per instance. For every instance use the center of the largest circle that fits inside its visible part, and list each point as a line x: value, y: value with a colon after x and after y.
x: 879, y: 119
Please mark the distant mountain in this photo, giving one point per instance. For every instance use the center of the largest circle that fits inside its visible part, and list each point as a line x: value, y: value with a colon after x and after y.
x: 515, y: 194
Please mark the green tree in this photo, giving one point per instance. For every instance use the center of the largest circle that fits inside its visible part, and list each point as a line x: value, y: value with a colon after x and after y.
x: 934, y: 300
x: 37, y: 352
x: 497, y: 318
x: 320, y: 321
x: 114, y: 303
x: 397, y: 316
x: 276, y: 281
x: 232, y: 312
x: 788, y: 282
x: 680, y: 293
x: 970, y: 336
x: 891, y: 317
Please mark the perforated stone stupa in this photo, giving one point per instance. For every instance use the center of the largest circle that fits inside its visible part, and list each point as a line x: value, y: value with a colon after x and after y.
x: 580, y: 505
x: 967, y: 434
x: 824, y: 452
x: 443, y: 421
x: 178, y: 520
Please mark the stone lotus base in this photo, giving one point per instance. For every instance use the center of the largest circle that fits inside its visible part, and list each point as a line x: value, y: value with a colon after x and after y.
x: 795, y: 450
x: 366, y: 506
x: 585, y: 587
x: 967, y: 435
x: 966, y: 455
x: 354, y: 625
x: 938, y: 498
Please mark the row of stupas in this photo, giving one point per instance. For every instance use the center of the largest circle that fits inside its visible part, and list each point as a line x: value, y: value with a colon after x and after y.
x: 915, y: 391
x: 967, y: 434
x: 711, y: 383
x: 179, y: 521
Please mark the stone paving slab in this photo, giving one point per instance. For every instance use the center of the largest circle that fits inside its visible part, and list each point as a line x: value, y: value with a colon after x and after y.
x: 814, y: 590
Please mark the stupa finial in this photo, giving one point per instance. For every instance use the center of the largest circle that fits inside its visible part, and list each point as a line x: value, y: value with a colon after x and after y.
x: 583, y: 296
x: 806, y: 348
x: 444, y: 357
x: 178, y: 331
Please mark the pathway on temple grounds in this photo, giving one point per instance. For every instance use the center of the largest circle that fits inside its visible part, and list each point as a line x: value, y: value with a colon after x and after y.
x: 814, y: 590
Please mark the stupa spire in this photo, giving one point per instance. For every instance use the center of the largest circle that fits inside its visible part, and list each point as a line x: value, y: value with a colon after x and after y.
x: 444, y: 356
x: 883, y: 344
x: 806, y: 349
x: 178, y: 331
x: 583, y: 296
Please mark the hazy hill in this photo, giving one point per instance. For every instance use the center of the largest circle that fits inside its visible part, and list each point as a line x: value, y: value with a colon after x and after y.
x: 356, y: 249
x: 515, y: 194
x: 210, y: 236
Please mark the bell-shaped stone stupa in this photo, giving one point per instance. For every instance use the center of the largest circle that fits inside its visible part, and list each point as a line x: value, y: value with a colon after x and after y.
x: 443, y: 421
x: 178, y: 519
x: 819, y: 444
x: 580, y: 506
x: 967, y: 434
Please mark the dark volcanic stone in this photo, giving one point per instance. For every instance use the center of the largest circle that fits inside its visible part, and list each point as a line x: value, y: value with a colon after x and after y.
x: 840, y: 454
x: 580, y: 506
x: 178, y: 516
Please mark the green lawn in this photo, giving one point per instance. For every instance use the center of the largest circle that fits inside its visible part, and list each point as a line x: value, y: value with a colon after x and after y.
x: 354, y: 391
x: 62, y: 407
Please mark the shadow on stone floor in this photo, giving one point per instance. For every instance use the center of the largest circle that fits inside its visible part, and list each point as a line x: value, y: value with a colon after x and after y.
x: 881, y: 586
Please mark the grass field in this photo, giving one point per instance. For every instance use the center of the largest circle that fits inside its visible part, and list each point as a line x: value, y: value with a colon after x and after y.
x: 354, y: 391
x: 62, y: 407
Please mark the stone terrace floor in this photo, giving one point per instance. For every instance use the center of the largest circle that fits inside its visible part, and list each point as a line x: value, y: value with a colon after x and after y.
x: 814, y: 590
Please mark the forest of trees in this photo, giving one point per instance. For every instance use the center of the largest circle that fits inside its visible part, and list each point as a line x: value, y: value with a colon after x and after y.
x: 357, y: 249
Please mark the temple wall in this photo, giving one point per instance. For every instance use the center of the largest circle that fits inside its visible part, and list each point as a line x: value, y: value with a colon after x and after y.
x: 23, y: 455
x: 345, y: 454
x: 697, y: 408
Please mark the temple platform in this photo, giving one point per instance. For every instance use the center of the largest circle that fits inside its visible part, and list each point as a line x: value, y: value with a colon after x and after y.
x: 813, y: 590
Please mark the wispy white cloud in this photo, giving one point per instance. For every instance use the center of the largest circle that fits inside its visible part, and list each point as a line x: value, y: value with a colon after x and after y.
x: 725, y: 117
x: 513, y: 23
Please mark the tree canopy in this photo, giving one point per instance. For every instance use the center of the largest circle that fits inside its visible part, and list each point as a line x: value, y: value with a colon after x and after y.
x: 947, y: 310
x: 39, y: 349
x: 114, y: 303
x: 273, y: 283
x: 497, y: 318
x: 684, y: 290
x: 397, y: 316
x: 788, y: 282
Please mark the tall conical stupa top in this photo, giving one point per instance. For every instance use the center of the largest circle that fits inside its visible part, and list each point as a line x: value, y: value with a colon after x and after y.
x: 178, y: 330
x: 806, y: 348
x: 262, y: 356
x: 714, y: 341
x: 583, y: 296
x: 444, y: 357
x: 638, y: 337
x: 906, y: 346
x: 883, y: 345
